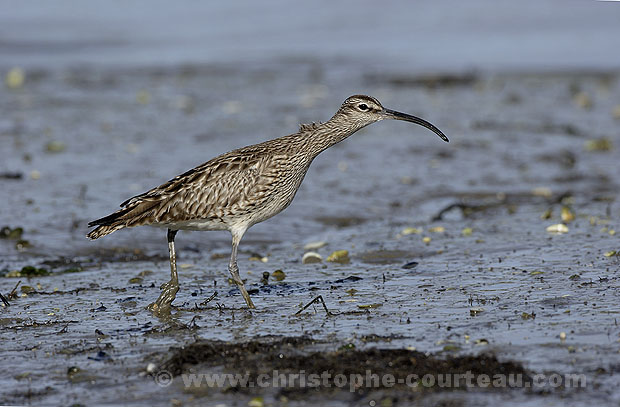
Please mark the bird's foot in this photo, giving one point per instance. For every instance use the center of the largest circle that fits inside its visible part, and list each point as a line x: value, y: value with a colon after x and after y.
x: 163, y: 305
x: 159, y: 311
x: 245, y: 294
x: 248, y: 301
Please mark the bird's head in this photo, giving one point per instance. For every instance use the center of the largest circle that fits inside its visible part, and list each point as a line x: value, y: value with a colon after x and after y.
x: 364, y: 110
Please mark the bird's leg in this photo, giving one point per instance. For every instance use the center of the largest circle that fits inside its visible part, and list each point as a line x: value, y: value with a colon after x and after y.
x: 169, y: 289
x: 234, y: 272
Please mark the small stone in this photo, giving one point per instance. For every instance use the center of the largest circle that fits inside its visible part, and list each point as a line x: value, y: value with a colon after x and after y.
x: 599, y: 144
x: 339, y: 256
x: 558, y: 228
x: 256, y: 402
x: 411, y: 231
x: 55, y: 146
x: 476, y: 311
x: 73, y: 370
x: 315, y: 245
x: 311, y: 257
x: 279, y: 275
x: 259, y: 257
x: 15, y: 78
x: 22, y: 244
x: 567, y: 215
x: 545, y: 192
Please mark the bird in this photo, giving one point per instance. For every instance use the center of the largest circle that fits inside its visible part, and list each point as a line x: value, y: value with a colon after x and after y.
x: 241, y: 188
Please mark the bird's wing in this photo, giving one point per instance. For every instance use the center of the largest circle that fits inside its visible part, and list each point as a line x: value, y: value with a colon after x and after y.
x: 211, y: 190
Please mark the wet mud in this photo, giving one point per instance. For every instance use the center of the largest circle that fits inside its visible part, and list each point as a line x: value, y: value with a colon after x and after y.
x: 496, y: 253
x: 261, y: 358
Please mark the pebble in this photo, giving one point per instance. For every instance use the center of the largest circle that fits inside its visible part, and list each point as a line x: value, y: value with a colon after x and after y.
x: 545, y: 192
x: 55, y: 146
x: 15, y: 78
x: 475, y: 311
x: 567, y: 215
x: 311, y: 257
x: 411, y: 231
x: 315, y: 245
x: 599, y: 144
x: 279, y: 275
x: 256, y: 402
x: 558, y: 228
x: 410, y: 265
x: 339, y: 256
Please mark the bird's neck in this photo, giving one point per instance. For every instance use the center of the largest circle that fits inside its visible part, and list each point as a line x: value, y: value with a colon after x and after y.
x: 331, y: 132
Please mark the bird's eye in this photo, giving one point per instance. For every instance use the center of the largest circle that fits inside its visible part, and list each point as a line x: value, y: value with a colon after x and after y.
x: 363, y: 106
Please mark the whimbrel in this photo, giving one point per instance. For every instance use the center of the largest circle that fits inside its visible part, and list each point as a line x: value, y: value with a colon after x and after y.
x: 241, y: 188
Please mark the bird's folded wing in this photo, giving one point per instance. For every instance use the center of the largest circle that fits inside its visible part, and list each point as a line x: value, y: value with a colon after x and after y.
x: 212, y: 190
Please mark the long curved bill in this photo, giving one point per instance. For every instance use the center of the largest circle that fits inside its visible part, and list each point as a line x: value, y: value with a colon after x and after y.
x: 392, y: 114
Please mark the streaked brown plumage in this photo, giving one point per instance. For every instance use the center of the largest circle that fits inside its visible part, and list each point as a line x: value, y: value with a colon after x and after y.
x: 243, y: 187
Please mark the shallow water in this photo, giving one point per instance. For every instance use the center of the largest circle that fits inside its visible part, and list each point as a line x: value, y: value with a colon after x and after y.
x: 424, y: 36
x: 510, y: 159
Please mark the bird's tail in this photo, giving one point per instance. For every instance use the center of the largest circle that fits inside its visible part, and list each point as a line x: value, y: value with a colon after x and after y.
x: 108, y: 224
x: 100, y: 231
